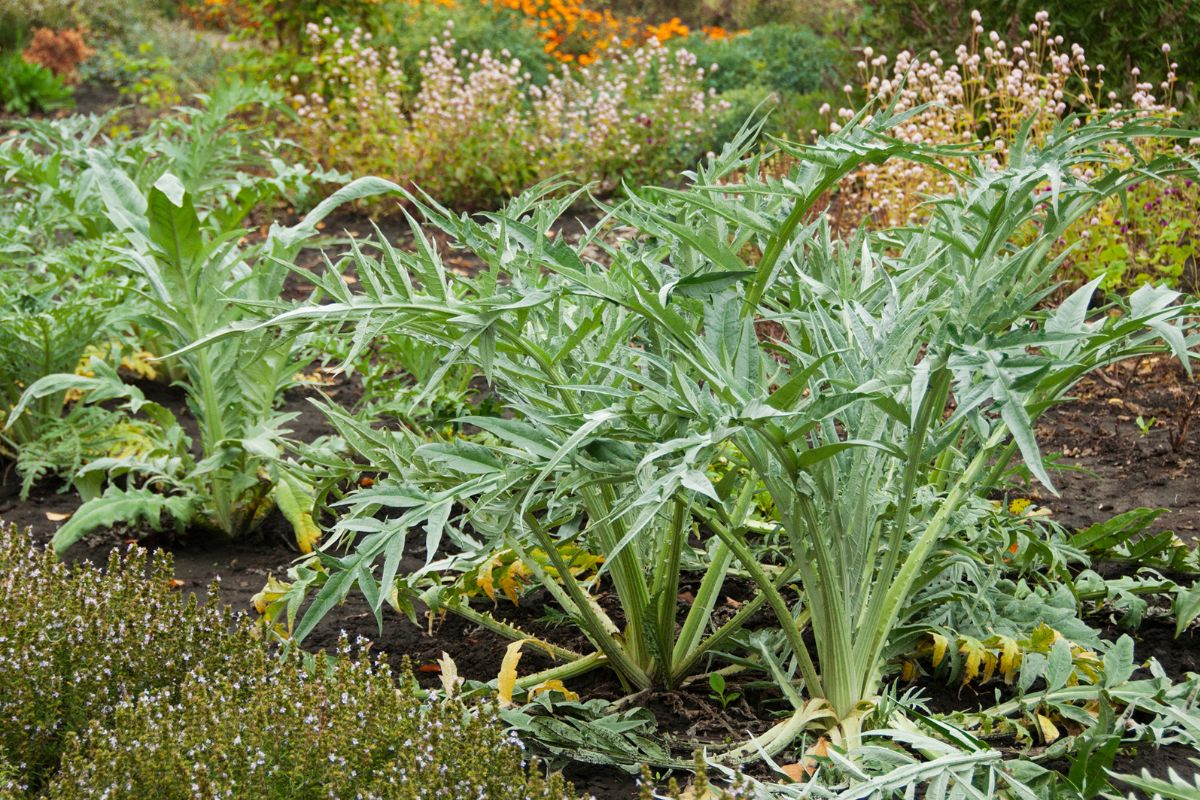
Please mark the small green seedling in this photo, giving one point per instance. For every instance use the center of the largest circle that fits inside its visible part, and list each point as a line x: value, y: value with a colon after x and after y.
x: 716, y: 682
x: 1144, y: 425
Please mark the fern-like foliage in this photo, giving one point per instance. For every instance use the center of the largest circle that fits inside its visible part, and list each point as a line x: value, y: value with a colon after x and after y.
x: 65, y: 446
x: 131, y: 506
x: 40, y: 334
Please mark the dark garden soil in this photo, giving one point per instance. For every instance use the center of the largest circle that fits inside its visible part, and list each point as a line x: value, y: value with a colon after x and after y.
x: 1111, y: 465
x: 93, y: 97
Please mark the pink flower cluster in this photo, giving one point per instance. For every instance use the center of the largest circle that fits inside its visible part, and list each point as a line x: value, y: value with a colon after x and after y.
x: 982, y: 96
x: 603, y: 119
x: 355, y: 97
x: 479, y: 130
x: 627, y: 116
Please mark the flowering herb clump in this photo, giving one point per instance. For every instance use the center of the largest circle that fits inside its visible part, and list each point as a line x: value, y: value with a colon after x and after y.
x: 345, y: 729
x: 980, y: 96
x: 480, y: 129
x: 112, y: 685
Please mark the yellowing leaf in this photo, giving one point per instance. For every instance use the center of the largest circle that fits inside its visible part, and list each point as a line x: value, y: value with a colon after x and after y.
x: 553, y: 685
x: 1010, y: 658
x: 507, y: 572
x: 272, y: 592
x: 820, y: 749
x: 939, y: 648
x: 139, y: 364
x: 1049, y: 732
x: 484, y: 579
x: 1042, y: 638
x: 506, y: 681
x: 307, y: 533
x: 974, y: 652
x: 449, y: 674
x: 512, y: 578
x: 54, y: 516
x: 1086, y: 663
x: 798, y: 772
x: 296, y: 506
x: 989, y: 666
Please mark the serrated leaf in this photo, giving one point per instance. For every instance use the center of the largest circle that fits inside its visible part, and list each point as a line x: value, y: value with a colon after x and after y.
x: 122, y: 505
x: 506, y: 681
x: 296, y: 505
x: 1186, y: 607
x: 466, y: 457
x: 1059, y: 665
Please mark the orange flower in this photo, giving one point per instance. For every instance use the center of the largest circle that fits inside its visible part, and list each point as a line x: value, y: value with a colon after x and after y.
x: 572, y: 32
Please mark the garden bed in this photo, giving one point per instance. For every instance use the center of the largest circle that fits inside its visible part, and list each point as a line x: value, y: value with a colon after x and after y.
x: 753, y: 459
x: 1115, y: 467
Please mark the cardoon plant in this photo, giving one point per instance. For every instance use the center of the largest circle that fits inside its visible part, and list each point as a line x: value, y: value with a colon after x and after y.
x: 872, y: 386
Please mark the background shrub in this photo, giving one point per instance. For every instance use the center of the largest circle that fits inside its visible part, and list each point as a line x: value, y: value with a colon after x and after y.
x: 61, y: 52
x: 477, y: 27
x: 26, y: 87
x: 785, y: 69
x: 825, y: 15
x: 783, y: 58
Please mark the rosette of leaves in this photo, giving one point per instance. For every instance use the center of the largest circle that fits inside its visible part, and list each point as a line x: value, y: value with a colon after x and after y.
x: 627, y: 380
x: 26, y: 87
x: 192, y: 278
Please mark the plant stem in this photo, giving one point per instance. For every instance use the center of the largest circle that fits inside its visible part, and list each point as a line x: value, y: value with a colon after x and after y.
x: 465, y: 611
x: 579, y: 666
x: 588, y: 619
x: 790, y: 629
x: 666, y: 584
